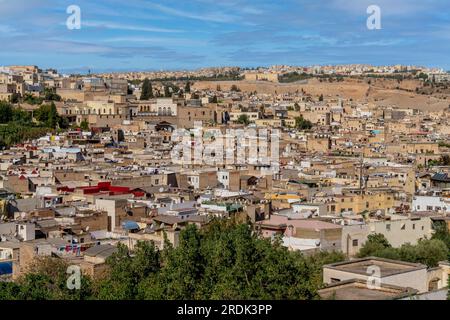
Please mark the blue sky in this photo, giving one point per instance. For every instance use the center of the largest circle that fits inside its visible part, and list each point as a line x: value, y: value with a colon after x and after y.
x: 188, y: 34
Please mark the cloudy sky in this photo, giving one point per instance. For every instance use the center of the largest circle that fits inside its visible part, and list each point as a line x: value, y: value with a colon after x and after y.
x: 188, y: 34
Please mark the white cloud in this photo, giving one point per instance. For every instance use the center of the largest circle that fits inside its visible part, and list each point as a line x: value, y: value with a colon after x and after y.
x: 120, y: 26
x: 212, y: 17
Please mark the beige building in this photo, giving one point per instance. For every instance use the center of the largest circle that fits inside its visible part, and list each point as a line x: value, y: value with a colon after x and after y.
x: 272, y: 77
x: 382, y: 271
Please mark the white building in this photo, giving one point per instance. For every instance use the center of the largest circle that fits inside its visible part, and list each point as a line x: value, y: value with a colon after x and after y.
x: 431, y: 203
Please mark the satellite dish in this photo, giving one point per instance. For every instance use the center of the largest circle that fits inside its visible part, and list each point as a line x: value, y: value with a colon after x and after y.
x: 162, y: 225
x: 87, y: 228
x: 175, y: 225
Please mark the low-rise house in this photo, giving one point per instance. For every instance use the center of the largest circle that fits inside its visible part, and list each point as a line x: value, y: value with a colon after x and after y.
x: 378, y: 271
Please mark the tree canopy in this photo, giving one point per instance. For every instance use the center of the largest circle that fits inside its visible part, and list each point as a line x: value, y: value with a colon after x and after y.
x: 243, y: 119
x: 224, y: 260
x: 428, y: 252
x: 147, y: 90
x: 302, y: 124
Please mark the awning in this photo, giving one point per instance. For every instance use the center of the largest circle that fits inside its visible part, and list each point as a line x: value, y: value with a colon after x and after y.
x: 130, y: 225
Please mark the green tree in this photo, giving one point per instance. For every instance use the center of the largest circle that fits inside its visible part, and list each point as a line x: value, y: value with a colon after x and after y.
x: 167, y: 92
x: 31, y: 99
x: 147, y: 90
x: 48, y: 115
x: 6, y: 112
x: 428, y: 252
x: 223, y: 260
x: 445, y: 160
x: 21, y: 116
x: 375, y: 243
x: 442, y: 233
x: 14, y: 98
x: 187, y: 88
x: 234, y: 88
x: 302, y: 124
x: 127, y: 270
x: 51, y: 95
x: 243, y: 119
x: 46, y: 280
x: 84, y: 125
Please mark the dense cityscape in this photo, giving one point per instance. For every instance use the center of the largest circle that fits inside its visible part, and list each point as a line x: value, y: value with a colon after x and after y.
x: 282, y: 182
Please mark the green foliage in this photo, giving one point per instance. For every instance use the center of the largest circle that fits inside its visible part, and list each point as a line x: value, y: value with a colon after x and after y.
x: 375, y: 243
x: 147, y: 90
x: 428, y: 252
x: 234, y: 88
x: 6, y: 112
x: 14, y: 133
x: 10, y: 114
x: 422, y: 76
x: 31, y: 99
x: 47, y: 280
x: 294, y: 76
x: 187, y: 88
x: 16, y: 125
x: 48, y: 116
x: 243, y: 119
x: 14, y: 98
x: 224, y: 260
x: 442, y: 233
x: 445, y: 160
x: 84, y: 125
x: 302, y: 124
x: 50, y: 95
x: 444, y: 144
x: 167, y: 92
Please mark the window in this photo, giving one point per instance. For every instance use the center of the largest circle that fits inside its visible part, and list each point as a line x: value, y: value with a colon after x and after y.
x: 403, y: 227
x: 388, y: 227
x: 355, y: 242
x: 414, y: 226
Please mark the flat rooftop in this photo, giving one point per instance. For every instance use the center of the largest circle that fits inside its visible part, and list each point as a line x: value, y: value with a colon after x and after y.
x: 358, y: 290
x: 387, y: 267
